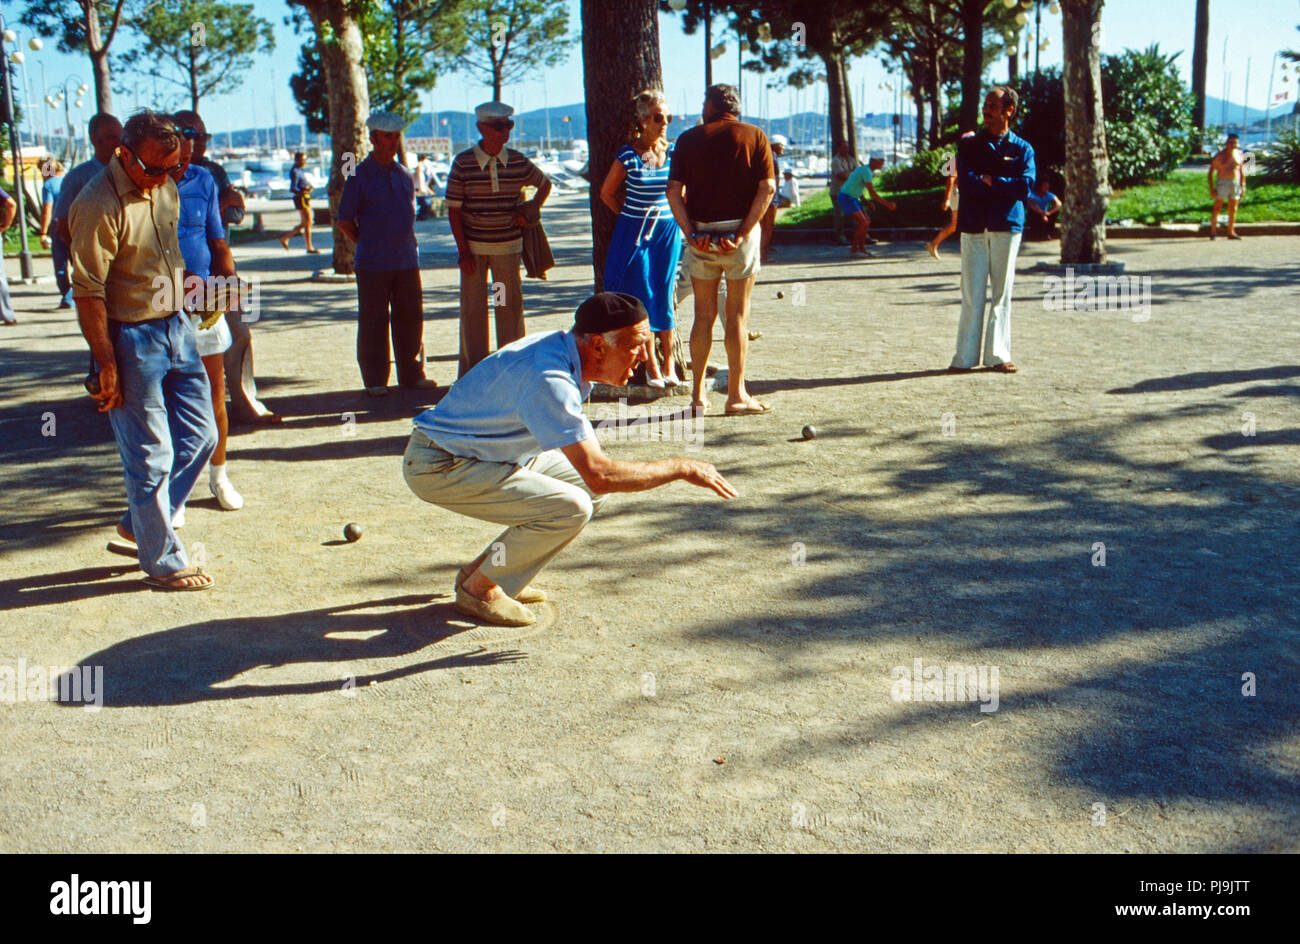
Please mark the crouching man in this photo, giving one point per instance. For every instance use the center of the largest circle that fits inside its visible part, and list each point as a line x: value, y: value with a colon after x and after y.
x: 509, y: 443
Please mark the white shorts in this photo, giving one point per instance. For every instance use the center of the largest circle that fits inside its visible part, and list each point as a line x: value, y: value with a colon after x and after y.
x: 953, y: 200
x: 214, y: 340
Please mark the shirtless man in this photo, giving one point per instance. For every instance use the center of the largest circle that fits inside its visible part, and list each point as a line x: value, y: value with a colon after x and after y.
x: 1227, y: 179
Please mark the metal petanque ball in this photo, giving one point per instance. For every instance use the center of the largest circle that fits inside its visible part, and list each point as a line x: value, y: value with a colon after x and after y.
x: 352, y: 531
x: 810, y: 432
x: 780, y: 294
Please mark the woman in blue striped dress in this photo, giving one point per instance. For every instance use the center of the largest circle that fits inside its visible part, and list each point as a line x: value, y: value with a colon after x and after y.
x: 645, y: 248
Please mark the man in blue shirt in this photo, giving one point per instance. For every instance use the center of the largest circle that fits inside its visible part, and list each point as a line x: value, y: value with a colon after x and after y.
x: 52, y: 171
x: 377, y: 212
x: 105, y: 134
x: 995, y: 169
x: 509, y: 443
x: 1041, y: 205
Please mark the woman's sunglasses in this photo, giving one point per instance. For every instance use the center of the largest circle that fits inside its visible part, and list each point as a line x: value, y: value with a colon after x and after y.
x: 661, y: 119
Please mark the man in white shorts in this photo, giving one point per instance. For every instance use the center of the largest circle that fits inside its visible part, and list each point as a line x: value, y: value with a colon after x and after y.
x: 720, y: 183
x: 1227, y: 184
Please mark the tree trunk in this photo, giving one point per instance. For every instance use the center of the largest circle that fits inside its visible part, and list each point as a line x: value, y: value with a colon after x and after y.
x: 932, y: 92
x: 1087, y: 164
x: 918, y: 99
x: 98, y: 57
x: 194, y: 82
x: 1200, y: 51
x: 972, y: 21
x: 840, y: 107
x: 620, y: 57
x: 1013, y: 66
x: 340, y: 45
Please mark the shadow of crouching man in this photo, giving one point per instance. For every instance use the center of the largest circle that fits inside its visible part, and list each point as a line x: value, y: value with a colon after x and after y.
x: 188, y: 664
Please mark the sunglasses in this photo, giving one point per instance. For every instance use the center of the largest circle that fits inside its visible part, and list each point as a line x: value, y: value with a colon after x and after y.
x: 153, y: 171
x: 499, y: 125
x: 661, y: 119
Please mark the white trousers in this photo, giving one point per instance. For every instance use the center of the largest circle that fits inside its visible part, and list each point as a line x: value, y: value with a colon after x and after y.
x: 986, y: 258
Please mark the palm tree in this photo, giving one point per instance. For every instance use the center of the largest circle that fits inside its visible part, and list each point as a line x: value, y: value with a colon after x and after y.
x: 1087, y: 163
x: 1200, y: 50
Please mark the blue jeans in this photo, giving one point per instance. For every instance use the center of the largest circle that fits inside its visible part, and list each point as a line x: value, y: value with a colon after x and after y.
x: 60, y: 253
x: 164, y: 429
x: 986, y: 258
x: 6, y: 304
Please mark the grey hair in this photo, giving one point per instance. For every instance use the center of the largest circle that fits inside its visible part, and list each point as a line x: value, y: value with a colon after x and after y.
x: 641, y: 103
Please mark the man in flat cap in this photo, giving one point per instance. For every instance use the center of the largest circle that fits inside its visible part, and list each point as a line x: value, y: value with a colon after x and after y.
x: 483, y: 201
x: 377, y: 212
x: 509, y: 443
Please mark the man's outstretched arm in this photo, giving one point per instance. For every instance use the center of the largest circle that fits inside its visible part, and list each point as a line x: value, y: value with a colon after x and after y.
x: 604, y: 474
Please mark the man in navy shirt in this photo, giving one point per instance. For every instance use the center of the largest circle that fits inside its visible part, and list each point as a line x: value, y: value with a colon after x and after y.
x: 510, y: 443
x: 377, y: 212
x: 995, y: 171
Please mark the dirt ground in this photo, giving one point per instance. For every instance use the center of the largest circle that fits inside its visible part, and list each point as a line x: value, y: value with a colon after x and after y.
x: 1112, y: 530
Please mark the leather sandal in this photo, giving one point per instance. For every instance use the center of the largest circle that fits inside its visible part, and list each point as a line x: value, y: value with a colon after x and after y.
x: 526, y: 595
x: 502, y: 611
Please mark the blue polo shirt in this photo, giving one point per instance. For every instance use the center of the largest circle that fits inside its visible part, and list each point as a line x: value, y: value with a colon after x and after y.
x: 50, y: 190
x: 381, y: 201
x: 514, y: 404
x: 856, y: 185
x: 1043, y: 203
x: 200, y: 219
x: 73, y: 182
x: 998, y: 208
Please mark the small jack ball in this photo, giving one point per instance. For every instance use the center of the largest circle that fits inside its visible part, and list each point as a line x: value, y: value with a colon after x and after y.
x: 780, y: 294
x: 352, y: 531
x: 810, y: 432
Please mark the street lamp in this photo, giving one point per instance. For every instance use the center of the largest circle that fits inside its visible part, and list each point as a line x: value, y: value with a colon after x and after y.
x: 20, y: 196
x: 63, y: 95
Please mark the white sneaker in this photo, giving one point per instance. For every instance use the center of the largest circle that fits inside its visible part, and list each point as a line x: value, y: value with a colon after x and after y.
x: 656, y: 382
x: 178, y: 518
x: 227, y: 497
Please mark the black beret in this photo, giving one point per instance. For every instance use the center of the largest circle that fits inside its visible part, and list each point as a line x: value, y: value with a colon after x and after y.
x: 608, y: 311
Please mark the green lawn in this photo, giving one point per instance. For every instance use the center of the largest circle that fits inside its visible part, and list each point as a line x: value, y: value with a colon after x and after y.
x: 1183, y: 198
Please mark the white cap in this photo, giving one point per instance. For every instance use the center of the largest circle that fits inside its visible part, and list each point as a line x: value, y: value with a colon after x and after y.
x: 877, y: 156
x: 781, y: 140
x: 385, y: 121
x: 491, y: 110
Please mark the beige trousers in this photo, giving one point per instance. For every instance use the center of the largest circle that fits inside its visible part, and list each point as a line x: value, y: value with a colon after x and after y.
x: 507, y: 295
x: 545, y: 504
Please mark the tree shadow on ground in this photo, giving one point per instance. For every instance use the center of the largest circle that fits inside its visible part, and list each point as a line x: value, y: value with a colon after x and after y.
x: 191, y: 663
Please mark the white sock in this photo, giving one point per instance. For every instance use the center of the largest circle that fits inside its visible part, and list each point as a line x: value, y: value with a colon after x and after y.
x: 217, y: 473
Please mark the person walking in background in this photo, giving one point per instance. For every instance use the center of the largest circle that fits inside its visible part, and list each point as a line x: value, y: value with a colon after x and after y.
x: 860, y: 181
x: 646, y: 245
x: 995, y: 169
x: 425, y: 184
x: 301, y: 188
x: 151, y: 381
x: 1227, y: 178
x: 377, y: 212
x: 1042, y: 205
x: 8, y: 209
x: 789, y: 193
x: 843, y: 163
x: 951, y: 200
x: 483, y: 204
x: 105, y: 134
x: 203, y: 244
x: 720, y: 184
x: 245, y: 407
x: 52, y: 172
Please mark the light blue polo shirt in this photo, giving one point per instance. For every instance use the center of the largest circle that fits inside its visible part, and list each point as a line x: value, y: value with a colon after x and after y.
x: 73, y: 182
x: 200, y: 220
x: 523, y: 400
x: 856, y: 185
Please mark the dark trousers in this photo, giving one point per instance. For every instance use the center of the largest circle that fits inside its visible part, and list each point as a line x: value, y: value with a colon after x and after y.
x: 60, y: 252
x: 390, y: 302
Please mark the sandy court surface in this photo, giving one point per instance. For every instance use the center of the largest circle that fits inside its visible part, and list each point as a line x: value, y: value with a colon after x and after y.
x: 709, y: 674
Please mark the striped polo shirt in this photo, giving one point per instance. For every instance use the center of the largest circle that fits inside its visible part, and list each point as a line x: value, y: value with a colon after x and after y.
x: 486, y: 190
x: 647, y: 187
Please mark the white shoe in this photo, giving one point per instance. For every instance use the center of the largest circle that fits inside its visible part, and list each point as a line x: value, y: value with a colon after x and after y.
x: 227, y: 497
x: 178, y: 518
x: 656, y: 382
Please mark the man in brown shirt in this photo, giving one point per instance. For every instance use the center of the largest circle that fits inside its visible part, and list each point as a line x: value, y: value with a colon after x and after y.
x: 720, y: 182
x: 127, y: 284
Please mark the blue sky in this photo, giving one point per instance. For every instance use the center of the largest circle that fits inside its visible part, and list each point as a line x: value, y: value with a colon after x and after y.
x: 1252, y: 30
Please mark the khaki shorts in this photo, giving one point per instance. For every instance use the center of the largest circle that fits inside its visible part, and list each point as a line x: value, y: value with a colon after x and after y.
x: 740, y: 263
x: 1228, y: 189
